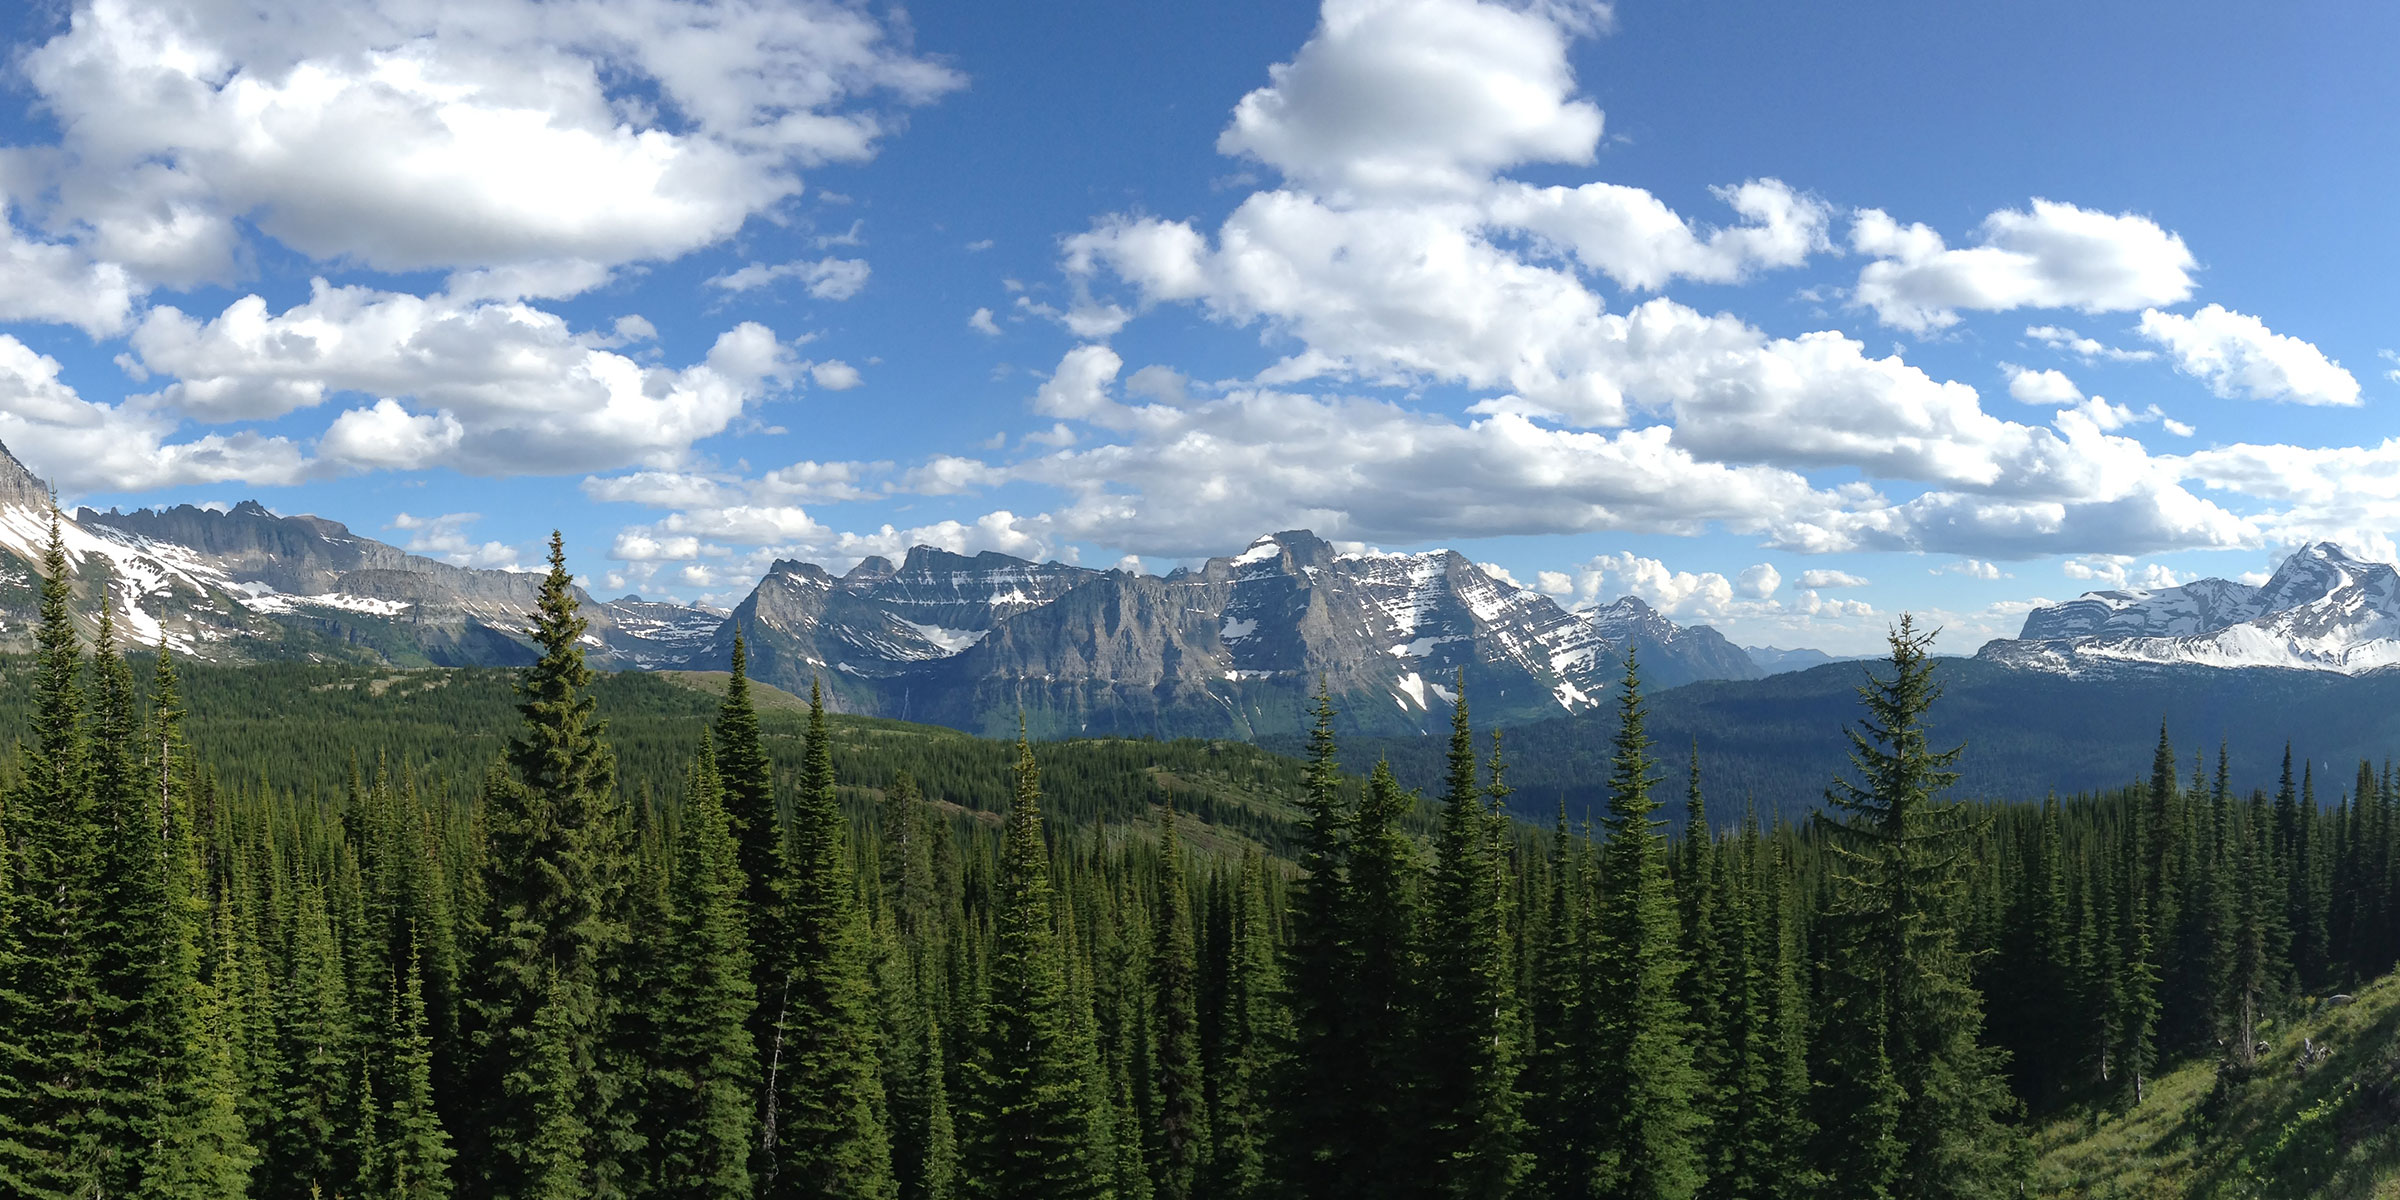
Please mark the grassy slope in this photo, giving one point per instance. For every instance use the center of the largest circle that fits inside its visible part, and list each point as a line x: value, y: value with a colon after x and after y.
x: 2329, y: 1133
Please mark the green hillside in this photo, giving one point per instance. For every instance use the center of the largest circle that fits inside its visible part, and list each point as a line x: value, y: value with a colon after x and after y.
x: 2329, y: 1131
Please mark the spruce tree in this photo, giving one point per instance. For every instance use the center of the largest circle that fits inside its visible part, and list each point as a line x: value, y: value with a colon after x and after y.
x: 1563, y: 1110
x: 1647, y: 1082
x: 1180, y: 1132
x: 748, y: 777
x: 828, y: 1137
x: 557, y: 868
x: 1912, y: 1103
x: 1473, y: 1122
x: 1315, y: 1084
x: 1031, y: 1131
x: 706, y: 1066
x: 417, y: 1155
x: 47, y: 1056
x: 1254, y: 1030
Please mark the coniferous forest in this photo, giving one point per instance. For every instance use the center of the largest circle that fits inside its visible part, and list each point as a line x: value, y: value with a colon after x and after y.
x: 562, y: 985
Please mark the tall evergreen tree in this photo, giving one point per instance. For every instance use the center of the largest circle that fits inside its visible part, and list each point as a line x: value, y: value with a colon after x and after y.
x: 1913, y: 1104
x: 828, y: 1138
x: 748, y: 776
x: 1647, y: 1083
x: 417, y: 1155
x: 1032, y: 1130
x: 558, y: 866
x: 47, y: 1057
x: 1316, y: 1088
x: 706, y: 1065
x: 1181, y: 1129
x: 1469, y: 1039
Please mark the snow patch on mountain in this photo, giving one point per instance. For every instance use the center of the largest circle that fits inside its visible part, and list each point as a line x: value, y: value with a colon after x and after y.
x: 2323, y: 610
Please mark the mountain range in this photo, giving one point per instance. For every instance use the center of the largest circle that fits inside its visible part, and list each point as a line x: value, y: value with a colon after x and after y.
x: 2322, y: 610
x: 1232, y: 648
x: 1235, y: 647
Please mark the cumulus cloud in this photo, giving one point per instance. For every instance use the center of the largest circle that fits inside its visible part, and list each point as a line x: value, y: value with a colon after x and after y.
x: 2040, y: 387
x: 1758, y: 581
x: 445, y: 537
x: 410, y: 136
x: 2052, y: 256
x: 1418, y: 96
x: 82, y: 446
x: 2120, y: 571
x: 59, y: 283
x: 2240, y: 358
x: 1824, y: 577
x: 1634, y: 238
x: 493, y: 388
x: 1973, y: 568
x: 981, y: 322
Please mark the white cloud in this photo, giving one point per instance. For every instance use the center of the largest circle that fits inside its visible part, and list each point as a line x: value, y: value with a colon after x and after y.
x: 1823, y: 578
x: 1684, y: 595
x: 834, y: 375
x: 1418, y: 96
x: 2046, y: 387
x: 2240, y: 358
x: 2065, y: 340
x: 80, y: 446
x: 484, y: 387
x: 981, y: 322
x: 2054, y: 256
x: 60, y: 283
x: 1758, y: 581
x: 2119, y: 571
x: 825, y: 279
x: 1632, y: 237
x: 1973, y: 568
x: 445, y: 537
x: 407, y: 136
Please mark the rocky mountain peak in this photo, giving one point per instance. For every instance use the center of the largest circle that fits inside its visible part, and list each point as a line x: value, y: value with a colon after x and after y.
x: 20, y: 487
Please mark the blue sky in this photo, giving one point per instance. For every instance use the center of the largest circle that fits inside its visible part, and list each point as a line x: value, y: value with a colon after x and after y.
x: 1786, y: 318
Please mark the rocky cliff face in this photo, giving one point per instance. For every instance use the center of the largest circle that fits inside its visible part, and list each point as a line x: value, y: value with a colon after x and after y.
x: 2322, y: 610
x: 246, y: 584
x: 1235, y: 647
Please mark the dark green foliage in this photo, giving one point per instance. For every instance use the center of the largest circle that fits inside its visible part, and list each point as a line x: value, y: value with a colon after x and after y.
x: 1033, y: 1129
x: 1912, y: 1104
x: 1473, y: 1126
x: 346, y: 945
x: 557, y: 868
x: 1647, y: 1086
x: 825, y: 1135
x: 704, y: 1074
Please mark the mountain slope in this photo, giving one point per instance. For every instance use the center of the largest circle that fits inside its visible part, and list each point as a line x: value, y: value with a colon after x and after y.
x: 248, y: 585
x: 2330, y: 1131
x: 1778, y: 740
x: 1232, y: 648
x: 2323, y: 610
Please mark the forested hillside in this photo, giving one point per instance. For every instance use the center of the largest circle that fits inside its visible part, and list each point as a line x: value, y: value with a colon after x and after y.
x: 556, y: 935
x: 2024, y: 732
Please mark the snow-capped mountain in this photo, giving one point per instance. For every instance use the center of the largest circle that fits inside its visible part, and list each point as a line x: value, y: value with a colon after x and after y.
x: 1235, y: 647
x: 2321, y: 611
x: 245, y: 584
x: 1231, y: 648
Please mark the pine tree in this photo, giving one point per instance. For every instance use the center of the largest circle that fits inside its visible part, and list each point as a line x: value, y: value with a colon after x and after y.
x: 46, y: 991
x: 1563, y: 1109
x: 1031, y: 1131
x: 748, y: 777
x: 1912, y: 1103
x: 1254, y: 1028
x: 417, y: 1154
x: 556, y: 874
x: 706, y: 1066
x: 1181, y: 1130
x: 1315, y: 1084
x: 1647, y: 1080
x: 1470, y: 1035
x: 828, y: 1138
